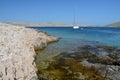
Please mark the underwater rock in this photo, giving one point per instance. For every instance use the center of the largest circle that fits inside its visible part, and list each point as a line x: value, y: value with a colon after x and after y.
x: 63, y: 68
x: 92, y: 62
x: 111, y: 48
x: 84, y: 63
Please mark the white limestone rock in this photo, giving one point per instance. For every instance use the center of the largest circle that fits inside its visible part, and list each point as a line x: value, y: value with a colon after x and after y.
x: 17, y: 52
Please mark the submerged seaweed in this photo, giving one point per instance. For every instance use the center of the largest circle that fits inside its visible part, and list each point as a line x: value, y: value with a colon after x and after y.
x: 70, y: 65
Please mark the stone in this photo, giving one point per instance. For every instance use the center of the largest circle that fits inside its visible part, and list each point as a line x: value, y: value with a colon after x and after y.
x: 17, y: 51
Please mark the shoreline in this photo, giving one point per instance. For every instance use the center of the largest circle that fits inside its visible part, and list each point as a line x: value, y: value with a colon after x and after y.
x: 17, y: 51
x: 18, y: 46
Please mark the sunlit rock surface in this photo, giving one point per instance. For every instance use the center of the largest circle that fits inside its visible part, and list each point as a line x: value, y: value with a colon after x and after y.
x: 17, y: 51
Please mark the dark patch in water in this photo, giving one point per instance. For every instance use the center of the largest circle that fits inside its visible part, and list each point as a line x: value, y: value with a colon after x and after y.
x: 69, y: 65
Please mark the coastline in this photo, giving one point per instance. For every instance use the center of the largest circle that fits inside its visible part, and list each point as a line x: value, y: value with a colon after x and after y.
x: 19, y: 46
x: 17, y: 51
x: 52, y: 24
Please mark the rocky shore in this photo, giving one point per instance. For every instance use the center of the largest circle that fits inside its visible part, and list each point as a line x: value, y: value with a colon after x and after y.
x: 17, y: 51
x: 85, y: 63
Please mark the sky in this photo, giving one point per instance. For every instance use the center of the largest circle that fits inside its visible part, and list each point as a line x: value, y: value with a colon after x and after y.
x: 98, y: 12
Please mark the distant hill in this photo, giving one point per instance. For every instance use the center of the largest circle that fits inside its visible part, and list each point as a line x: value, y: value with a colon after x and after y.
x: 33, y: 24
x: 116, y: 24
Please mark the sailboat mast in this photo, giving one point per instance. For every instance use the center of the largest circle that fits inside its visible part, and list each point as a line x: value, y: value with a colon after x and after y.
x: 75, y: 26
x: 74, y: 22
x: 75, y: 17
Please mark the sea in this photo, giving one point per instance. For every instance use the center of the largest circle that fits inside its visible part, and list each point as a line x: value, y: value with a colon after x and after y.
x: 71, y: 38
x: 65, y: 59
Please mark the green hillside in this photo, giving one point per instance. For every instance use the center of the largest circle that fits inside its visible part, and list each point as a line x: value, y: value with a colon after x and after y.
x: 116, y: 24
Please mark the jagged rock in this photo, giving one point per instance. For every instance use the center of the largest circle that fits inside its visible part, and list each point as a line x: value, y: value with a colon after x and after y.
x: 17, y: 51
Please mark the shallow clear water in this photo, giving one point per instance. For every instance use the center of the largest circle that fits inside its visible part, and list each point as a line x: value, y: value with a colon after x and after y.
x: 107, y: 36
x: 73, y: 38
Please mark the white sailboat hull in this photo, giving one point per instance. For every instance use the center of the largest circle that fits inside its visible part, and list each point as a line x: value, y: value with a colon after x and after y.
x: 75, y: 27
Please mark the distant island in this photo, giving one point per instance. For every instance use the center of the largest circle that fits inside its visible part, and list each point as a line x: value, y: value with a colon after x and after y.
x: 116, y: 24
x: 56, y: 24
x: 53, y: 24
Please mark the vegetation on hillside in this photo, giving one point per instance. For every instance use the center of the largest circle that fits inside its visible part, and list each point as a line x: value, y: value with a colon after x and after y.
x: 116, y: 24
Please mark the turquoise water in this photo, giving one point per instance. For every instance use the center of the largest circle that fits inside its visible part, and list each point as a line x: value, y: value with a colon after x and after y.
x: 107, y: 36
x: 73, y: 38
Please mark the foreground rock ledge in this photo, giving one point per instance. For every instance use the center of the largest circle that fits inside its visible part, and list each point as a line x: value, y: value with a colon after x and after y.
x: 17, y: 51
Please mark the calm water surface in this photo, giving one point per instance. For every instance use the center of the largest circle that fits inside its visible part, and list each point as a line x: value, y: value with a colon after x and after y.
x: 73, y: 38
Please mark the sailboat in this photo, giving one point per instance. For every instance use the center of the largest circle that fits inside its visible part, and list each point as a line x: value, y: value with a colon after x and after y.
x: 75, y: 26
